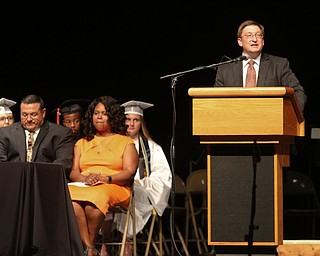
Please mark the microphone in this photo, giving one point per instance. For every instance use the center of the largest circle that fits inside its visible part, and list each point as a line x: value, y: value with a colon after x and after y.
x: 214, y: 66
x: 240, y: 58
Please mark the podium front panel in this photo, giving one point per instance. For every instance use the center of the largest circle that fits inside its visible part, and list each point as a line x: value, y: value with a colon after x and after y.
x: 232, y: 193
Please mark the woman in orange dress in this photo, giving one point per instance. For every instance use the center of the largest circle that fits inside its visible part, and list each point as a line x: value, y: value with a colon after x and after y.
x: 104, y: 163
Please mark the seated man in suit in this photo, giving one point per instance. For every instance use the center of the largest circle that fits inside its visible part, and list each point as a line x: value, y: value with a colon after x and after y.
x: 35, y: 139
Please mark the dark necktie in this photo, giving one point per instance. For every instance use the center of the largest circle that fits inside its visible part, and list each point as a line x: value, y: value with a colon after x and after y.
x: 30, y: 146
x: 251, y: 75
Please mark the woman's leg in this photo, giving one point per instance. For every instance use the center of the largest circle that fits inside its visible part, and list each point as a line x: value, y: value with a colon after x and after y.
x: 82, y: 223
x: 89, y: 218
x: 95, y: 219
x: 106, y: 235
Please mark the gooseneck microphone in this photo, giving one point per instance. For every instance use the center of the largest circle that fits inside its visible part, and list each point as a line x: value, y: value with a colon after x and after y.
x: 240, y: 58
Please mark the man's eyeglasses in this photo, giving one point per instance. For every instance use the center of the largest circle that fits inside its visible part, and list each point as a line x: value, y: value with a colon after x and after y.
x: 250, y: 36
x: 5, y: 119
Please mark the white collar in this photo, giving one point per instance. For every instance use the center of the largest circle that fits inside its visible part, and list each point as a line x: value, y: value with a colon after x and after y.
x: 256, y: 61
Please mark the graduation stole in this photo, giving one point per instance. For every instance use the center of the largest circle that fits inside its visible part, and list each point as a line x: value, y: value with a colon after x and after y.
x: 144, y: 157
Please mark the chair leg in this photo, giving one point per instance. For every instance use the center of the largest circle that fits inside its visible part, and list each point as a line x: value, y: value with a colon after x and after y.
x: 186, y: 235
x: 133, y: 214
x: 130, y: 214
x: 203, y: 240
x: 154, y: 239
x: 125, y: 232
x: 160, y: 236
x: 154, y: 215
x: 155, y: 247
x: 158, y: 246
x: 195, y: 229
x: 181, y: 239
x: 184, y: 246
x: 166, y: 248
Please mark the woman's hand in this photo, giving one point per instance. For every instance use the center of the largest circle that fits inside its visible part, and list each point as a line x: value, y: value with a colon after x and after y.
x: 92, y: 179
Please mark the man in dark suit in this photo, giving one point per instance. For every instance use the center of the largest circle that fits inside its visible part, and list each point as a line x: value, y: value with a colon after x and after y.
x: 52, y: 143
x: 269, y: 70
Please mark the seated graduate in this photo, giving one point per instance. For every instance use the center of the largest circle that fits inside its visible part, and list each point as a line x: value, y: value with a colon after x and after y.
x: 6, y: 115
x: 71, y: 114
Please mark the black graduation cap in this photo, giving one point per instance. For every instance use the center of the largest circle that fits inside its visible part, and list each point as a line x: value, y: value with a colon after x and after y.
x: 70, y: 106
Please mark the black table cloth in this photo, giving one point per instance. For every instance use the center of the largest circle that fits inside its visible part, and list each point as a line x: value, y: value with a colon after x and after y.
x: 36, y: 216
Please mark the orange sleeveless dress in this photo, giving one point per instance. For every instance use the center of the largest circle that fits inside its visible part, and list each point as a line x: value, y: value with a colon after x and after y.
x: 102, y: 155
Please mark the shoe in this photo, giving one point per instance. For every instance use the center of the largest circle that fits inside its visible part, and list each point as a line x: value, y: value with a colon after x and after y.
x: 127, y: 249
x: 105, y: 250
x: 93, y: 250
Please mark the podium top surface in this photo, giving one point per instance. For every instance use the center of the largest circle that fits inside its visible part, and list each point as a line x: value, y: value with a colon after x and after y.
x: 237, y: 111
x: 275, y: 91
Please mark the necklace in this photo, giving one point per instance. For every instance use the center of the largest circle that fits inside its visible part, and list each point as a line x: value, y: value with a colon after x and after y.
x: 99, y: 148
x: 101, y: 143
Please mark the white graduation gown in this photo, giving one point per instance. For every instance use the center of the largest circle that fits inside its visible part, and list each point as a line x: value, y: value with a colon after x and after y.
x: 151, y: 192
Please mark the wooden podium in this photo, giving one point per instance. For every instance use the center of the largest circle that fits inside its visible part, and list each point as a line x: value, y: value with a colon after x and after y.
x: 233, y: 118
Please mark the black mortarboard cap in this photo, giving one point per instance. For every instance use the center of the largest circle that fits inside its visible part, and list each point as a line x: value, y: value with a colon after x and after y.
x: 71, y: 106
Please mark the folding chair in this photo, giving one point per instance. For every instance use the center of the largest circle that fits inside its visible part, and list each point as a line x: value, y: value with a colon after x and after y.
x: 155, y: 238
x: 153, y: 232
x: 301, y: 199
x: 197, y: 187
x: 181, y: 210
x: 130, y: 213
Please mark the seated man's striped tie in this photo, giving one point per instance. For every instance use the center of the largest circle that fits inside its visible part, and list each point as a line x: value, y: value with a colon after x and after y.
x: 30, y: 146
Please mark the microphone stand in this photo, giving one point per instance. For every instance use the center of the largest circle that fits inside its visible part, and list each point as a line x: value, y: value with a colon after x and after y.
x: 256, y: 157
x: 174, y: 80
x: 204, y: 67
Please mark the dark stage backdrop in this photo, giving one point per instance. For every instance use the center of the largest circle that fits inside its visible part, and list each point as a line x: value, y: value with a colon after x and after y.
x: 122, y: 49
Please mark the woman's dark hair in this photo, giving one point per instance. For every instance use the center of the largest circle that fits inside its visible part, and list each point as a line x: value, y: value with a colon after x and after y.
x: 115, y: 112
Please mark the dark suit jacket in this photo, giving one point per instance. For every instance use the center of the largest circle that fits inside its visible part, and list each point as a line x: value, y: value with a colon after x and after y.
x: 273, y: 71
x: 54, y: 144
